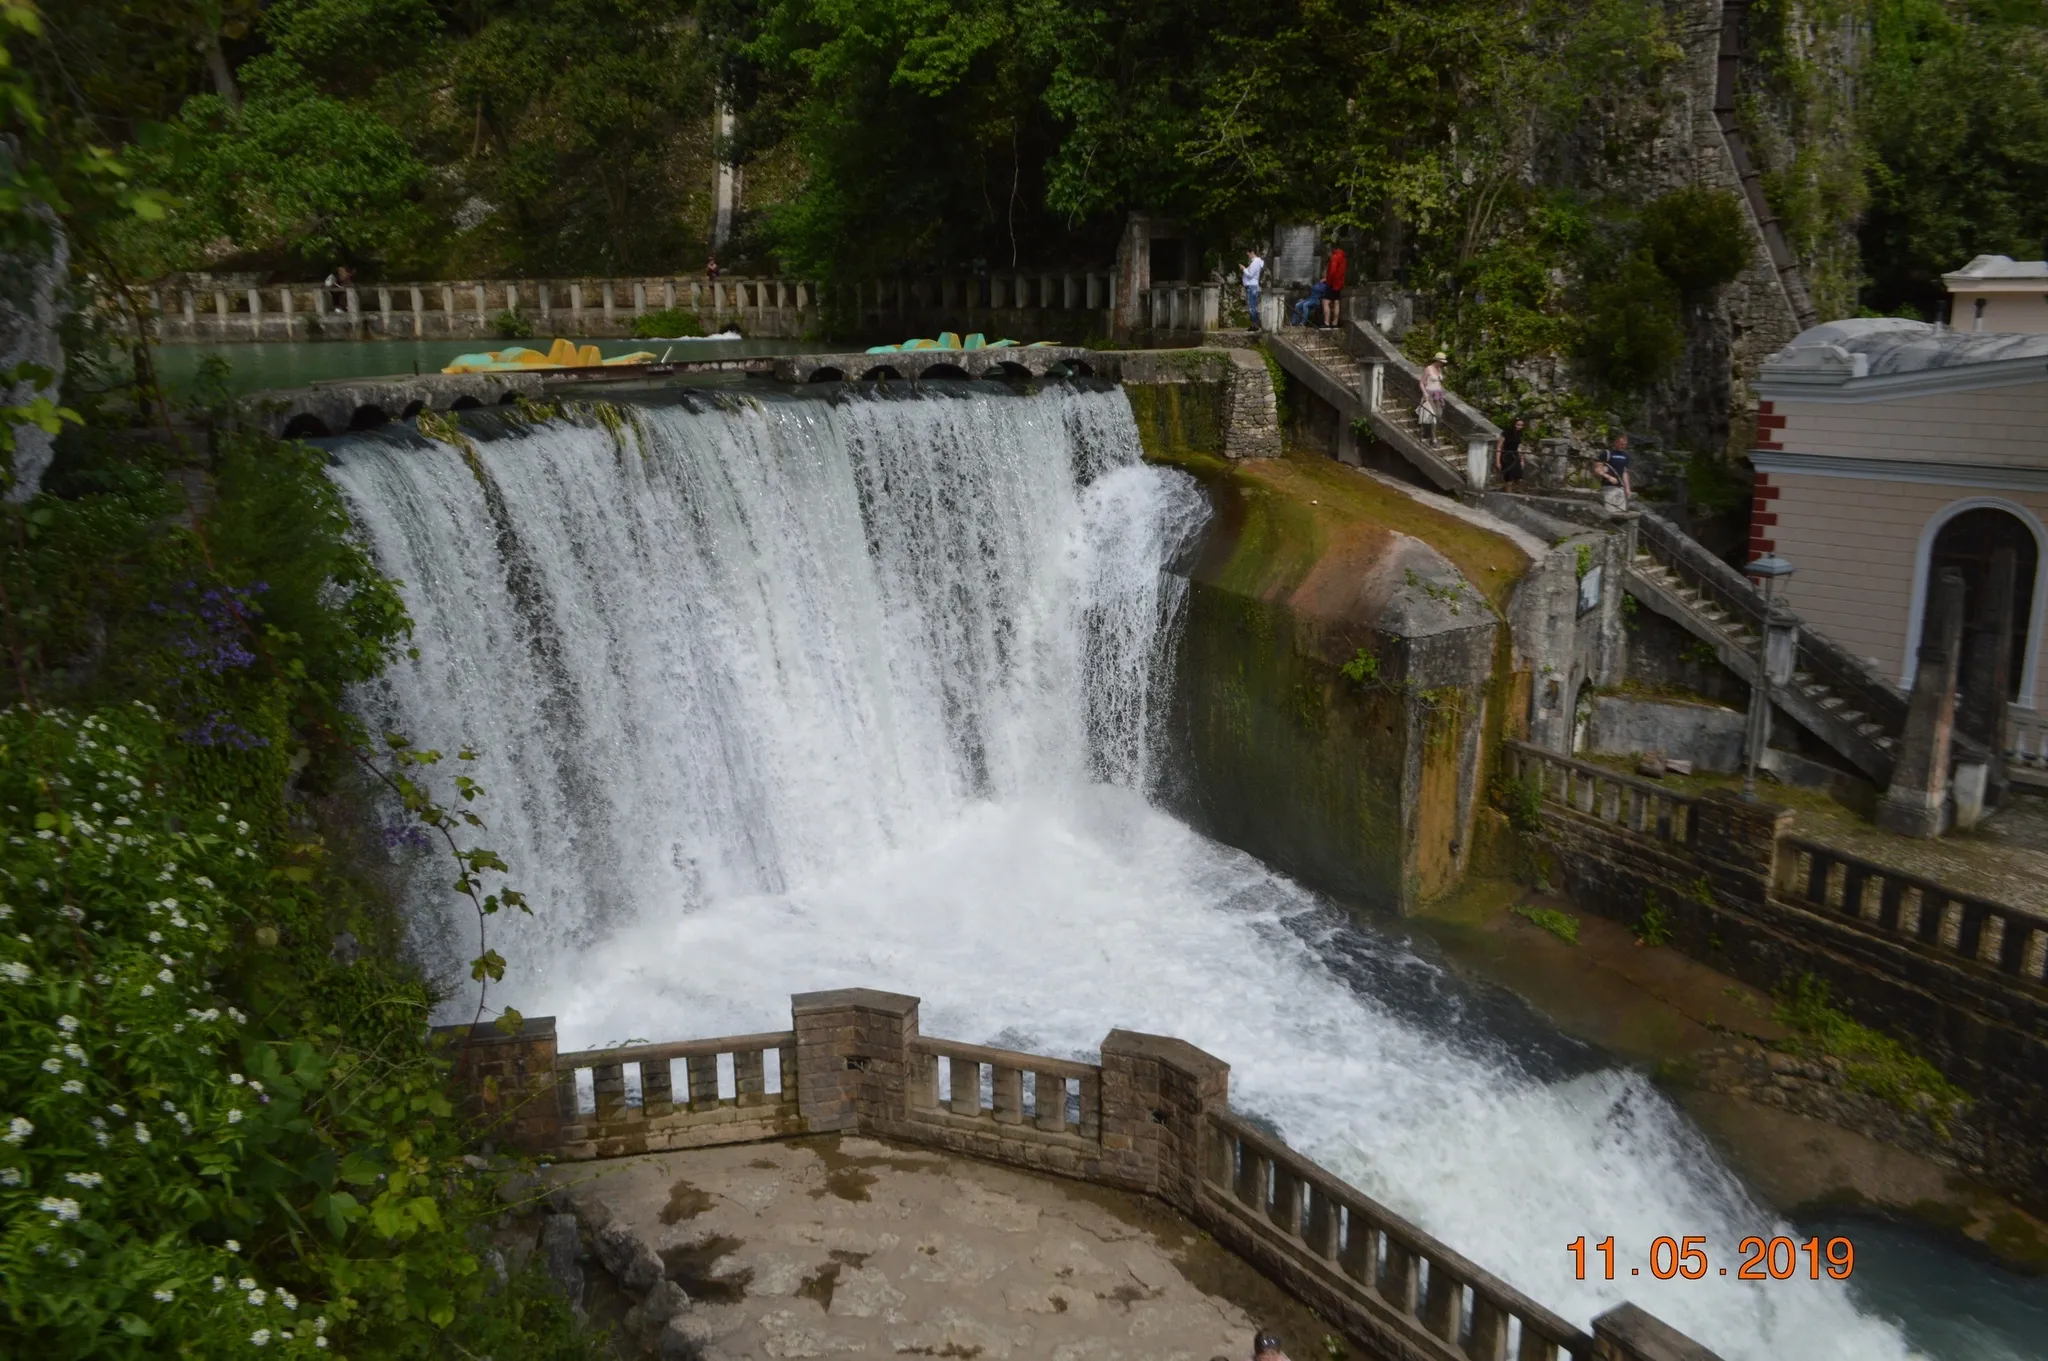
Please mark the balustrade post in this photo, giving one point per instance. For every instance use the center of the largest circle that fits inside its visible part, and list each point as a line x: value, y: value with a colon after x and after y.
x: 608, y: 1082
x: 657, y: 1087
x: 1156, y: 1095
x: 668, y: 294
x: 750, y: 1077
x: 482, y: 309
x: 1360, y: 1257
x: 509, y: 1080
x: 1286, y: 1211
x: 1443, y: 1307
x: 606, y: 285
x: 1628, y: 1333
x: 854, y: 1066
x: 1401, y: 1282
x: 966, y: 1098
x: 384, y: 310
x: 447, y: 308
x: 1739, y: 843
x: 1489, y: 1340
x: 419, y: 307
x: 511, y: 297
x: 702, y: 1076
x: 1008, y: 1087
x: 639, y: 299
x: 544, y: 291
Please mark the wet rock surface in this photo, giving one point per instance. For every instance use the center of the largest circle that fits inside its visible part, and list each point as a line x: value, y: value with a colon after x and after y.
x: 849, y: 1246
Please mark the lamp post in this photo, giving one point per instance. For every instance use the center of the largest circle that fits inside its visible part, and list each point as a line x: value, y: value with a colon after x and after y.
x: 1769, y: 569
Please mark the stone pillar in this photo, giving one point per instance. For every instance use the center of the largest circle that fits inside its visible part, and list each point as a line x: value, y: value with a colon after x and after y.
x: 482, y: 320
x: 284, y: 305
x: 384, y: 308
x: 1987, y: 669
x: 448, y: 308
x: 576, y: 306
x: 1738, y: 843
x: 852, y: 1057
x: 419, y: 309
x: 1156, y: 1096
x: 511, y: 297
x: 1630, y: 1334
x: 1133, y: 274
x: 508, y: 1081
x: 668, y: 294
x: 639, y: 299
x: 544, y: 292
x: 255, y: 314
x: 1916, y: 804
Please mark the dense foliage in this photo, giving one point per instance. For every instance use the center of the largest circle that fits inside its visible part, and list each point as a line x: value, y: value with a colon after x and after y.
x: 223, y: 1124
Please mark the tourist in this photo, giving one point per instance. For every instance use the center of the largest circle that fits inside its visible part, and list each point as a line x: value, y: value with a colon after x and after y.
x: 710, y: 269
x: 1333, y: 282
x: 1304, y: 309
x: 1254, y: 267
x: 1612, y: 470
x: 1507, y: 455
x: 1266, y: 1347
x: 1432, y: 409
x: 336, y: 299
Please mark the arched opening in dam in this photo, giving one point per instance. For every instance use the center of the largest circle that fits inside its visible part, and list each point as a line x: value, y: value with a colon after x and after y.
x: 776, y: 693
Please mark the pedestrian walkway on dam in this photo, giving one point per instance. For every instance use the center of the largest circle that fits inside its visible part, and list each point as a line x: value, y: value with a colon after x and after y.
x: 847, y: 1246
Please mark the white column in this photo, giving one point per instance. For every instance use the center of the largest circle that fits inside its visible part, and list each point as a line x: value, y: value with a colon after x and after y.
x: 481, y: 320
x: 576, y: 307
x: 639, y: 299
x: 546, y: 289
x: 419, y: 307
x: 448, y: 308
x: 384, y: 307
x: 668, y: 294
x: 1476, y: 461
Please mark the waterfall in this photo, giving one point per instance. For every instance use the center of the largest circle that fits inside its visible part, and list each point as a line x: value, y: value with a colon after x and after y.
x: 776, y: 693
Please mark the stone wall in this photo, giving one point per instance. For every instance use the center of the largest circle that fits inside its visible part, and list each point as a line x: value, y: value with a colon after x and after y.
x: 1204, y: 401
x: 1155, y: 1119
x: 1723, y: 873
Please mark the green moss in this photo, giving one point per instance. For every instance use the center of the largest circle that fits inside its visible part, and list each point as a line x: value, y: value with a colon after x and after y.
x: 1872, y: 1062
x: 1563, y: 925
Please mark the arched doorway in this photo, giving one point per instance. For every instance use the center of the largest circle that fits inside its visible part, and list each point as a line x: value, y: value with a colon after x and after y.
x: 1970, y: 539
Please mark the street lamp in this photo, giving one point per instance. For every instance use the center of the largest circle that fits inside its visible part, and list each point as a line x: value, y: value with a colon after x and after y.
x: 1769, y: 568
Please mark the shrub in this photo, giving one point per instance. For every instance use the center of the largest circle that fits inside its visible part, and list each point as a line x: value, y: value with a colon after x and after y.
x: 1698, y: 237
x: 1872, y: 1062
x: 512, y: 326
x: 1653, y: 928
x: 1634, y: 334
x: 669, y: 321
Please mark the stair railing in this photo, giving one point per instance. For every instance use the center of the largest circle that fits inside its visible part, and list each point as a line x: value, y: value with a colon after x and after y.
x: 1819, y: 656
x: 1401, y: 379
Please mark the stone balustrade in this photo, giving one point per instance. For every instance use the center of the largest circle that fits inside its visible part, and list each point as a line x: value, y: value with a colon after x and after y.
x: 1637, y: 805
x: 1359, y: 1263
x: 471, y: 308
x: 726, y: 1093
x: 1152, y: 1116
x: 1184, y: 309
x: 2011, y: 940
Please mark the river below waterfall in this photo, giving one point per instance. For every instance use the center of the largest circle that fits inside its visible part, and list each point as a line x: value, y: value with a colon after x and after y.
x: 776, y: 693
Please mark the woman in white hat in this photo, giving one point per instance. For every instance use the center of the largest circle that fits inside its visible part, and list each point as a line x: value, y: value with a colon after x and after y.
x: 1432, y: 409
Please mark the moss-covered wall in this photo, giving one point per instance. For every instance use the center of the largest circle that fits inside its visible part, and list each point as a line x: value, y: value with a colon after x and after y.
x: 1179, y: 417
x: 1362, y: 785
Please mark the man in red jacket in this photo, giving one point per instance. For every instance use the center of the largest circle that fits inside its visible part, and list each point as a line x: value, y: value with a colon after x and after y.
x: 1333, y: 280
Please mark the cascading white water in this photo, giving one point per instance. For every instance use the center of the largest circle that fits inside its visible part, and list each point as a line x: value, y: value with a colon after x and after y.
x: 784, y: 694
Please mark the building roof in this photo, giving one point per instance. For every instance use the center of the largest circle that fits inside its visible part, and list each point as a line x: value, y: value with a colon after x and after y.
x: 1997, y: 269
x: 1889, y: 357
x: 2000, y: 267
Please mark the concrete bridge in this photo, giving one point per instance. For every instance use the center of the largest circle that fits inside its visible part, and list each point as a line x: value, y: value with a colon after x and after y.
x: 330, y: 408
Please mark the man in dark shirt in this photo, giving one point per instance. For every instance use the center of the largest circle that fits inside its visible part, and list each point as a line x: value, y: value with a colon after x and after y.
x: 1507, y: 460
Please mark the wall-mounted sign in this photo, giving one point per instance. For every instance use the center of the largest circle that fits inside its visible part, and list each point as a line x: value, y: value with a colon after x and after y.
x: 1589, y: 590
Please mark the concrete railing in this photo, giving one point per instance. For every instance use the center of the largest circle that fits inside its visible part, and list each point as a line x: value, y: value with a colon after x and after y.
x: 1361, y: 1264
x: 467, y: 308
x: 725, y: 1090
x: 2011, y: 940
x: 1152, y: 1116
x: 1598, y: 792
x: 1185, y: 308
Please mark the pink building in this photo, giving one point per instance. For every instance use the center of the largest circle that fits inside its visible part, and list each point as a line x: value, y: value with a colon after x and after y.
x: 1888, y: 450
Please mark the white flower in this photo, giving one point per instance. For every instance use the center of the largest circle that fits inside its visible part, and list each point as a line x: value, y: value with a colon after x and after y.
x: 260, y: 1336
x: 141, y: 1132
x: 67, y: 1024
x: 320, y: 1342
x: 102, y: 1138
x: 148, y: 989
x: 242, y: 827
x: 234, y: 1115
x: 232, y: 1246
x: 5, y: 912
x: 202, y: 881
x: 156, y: 937
x: 255, y: 1086
x: 163, y: 1296
x: 53, y: 1065
x: 18, y: 1129
x: 257, y: 1297
x: 74, y: 1053
x: 165, y: 976
x: 219, y: 1285
x: 101, y: 979
x: 237, y: 1017
x: 287, y: 1298
x: 14, y: 971
x: 119, y: 1110
x: 123, y: 822
x: 10, y: 1176
x: 91, y: 1181
x: 74, y: 1086
x: 62, y: 1207
x: 236, y: 1079
x: 320, y: 1324
x: 246, y: 1283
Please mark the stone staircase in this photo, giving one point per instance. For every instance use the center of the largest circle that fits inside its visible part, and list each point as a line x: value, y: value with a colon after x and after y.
x: 1324, y: 361
x: 1832, y: 694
